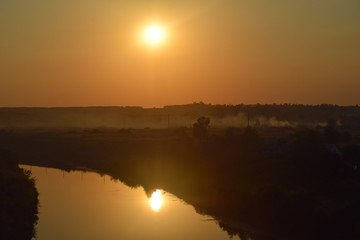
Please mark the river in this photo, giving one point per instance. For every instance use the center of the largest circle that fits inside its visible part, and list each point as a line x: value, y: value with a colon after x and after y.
x: 84, y: 205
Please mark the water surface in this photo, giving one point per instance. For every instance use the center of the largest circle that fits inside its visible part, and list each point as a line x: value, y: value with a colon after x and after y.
x: 80, y: 205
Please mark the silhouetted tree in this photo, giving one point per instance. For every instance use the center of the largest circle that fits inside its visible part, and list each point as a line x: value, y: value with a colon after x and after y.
x: 200, y: 127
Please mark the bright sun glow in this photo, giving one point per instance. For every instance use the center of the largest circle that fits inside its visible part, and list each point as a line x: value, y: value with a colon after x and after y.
x: 156, y: 200
x: 154, y: 34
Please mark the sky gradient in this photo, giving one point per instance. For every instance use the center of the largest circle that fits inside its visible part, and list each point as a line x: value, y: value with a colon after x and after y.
x: 87, y: 53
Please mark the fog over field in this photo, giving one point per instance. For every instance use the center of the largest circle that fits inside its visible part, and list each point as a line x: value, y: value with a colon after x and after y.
x: 221, y: 116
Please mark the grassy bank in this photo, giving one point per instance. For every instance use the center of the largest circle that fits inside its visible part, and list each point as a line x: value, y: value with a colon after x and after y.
x: 18, y: 200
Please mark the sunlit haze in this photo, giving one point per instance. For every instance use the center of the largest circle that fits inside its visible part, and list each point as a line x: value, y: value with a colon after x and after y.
x: 86, y: 53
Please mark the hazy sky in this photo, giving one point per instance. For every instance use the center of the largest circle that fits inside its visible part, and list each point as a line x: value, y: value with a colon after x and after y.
x: 87, y: 52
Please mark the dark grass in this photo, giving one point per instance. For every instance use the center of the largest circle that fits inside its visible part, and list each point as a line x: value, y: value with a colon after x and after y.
x: 18, y: 200
x: 271, y: 183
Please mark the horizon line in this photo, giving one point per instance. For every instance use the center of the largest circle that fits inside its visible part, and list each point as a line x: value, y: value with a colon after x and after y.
x: 184, y: 104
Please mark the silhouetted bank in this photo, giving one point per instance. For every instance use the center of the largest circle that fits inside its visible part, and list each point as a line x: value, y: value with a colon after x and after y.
x: 302, y: 184
x: 18, y: 200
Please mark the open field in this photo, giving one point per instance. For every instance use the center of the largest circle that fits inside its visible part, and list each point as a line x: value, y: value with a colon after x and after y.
x: 249, y: 180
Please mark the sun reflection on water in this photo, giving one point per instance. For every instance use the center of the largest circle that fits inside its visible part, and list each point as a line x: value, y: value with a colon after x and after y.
x: 156, y: 200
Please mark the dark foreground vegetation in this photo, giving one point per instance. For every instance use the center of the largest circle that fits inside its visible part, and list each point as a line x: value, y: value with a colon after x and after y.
x: 268, y: 183
x: 18, y: 200
x: 280, y: 172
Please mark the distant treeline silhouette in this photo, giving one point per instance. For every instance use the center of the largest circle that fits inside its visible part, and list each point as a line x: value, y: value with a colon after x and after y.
x: 277, y: 115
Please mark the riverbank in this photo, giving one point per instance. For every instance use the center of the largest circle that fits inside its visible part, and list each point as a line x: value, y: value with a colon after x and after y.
x: 18, y: 200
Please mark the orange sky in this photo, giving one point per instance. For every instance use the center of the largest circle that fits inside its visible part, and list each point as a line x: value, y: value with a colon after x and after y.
x: 84, y: 53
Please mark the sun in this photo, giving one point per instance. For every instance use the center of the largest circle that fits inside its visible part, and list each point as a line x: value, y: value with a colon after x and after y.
x: 156, y: 200
x: 154, y: 34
